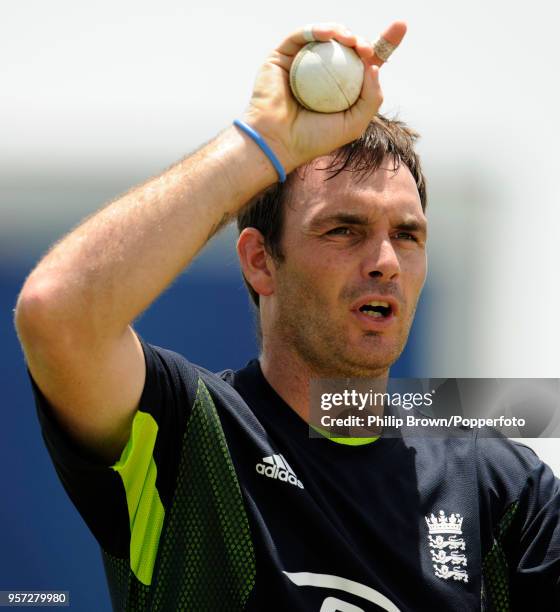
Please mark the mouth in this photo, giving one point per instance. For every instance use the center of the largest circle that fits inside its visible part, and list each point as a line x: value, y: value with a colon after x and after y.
x: 377, y: 306
x: 376, y: 312
x: 377, y: 309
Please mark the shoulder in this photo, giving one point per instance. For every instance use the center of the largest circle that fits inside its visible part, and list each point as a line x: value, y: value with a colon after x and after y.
x: 510, y: 472
x: 505, y: 458
x: 179, y: 371
x: 496, y: 447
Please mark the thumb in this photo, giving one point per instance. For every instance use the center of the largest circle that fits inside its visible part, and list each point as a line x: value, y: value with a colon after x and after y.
x: 371, y: 96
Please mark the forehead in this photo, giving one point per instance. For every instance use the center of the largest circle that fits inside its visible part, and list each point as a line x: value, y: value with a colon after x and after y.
x: 384, y: 192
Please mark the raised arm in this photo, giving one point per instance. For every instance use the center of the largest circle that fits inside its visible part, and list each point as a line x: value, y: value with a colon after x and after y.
x: 74, y: 311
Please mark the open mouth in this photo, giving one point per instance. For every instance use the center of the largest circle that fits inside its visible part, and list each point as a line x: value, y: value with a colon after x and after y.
x: 377, y: 310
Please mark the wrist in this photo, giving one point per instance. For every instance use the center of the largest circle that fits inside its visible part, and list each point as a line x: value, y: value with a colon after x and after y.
x: 263, y: 146
x: 243, y: 165
x: 271, y: 132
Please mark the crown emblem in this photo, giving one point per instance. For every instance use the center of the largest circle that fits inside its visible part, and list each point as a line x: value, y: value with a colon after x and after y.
x: 443, y: 524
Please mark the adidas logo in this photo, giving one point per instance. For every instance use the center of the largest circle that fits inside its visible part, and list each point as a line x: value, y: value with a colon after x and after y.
x: 277, y: 467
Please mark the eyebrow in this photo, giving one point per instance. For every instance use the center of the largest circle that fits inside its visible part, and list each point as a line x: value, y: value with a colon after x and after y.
x: 340, y: 217
x: 412, y: 225
x: 409, y: 225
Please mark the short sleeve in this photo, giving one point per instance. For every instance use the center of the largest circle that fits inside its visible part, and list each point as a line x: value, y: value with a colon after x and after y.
x: 519, y: 501
x: 124, y: 504
x: 536, y: 539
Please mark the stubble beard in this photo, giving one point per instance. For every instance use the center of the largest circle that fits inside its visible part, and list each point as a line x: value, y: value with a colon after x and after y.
x: 323, y: 345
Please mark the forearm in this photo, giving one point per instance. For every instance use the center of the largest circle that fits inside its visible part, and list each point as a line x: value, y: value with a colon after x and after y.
x: 102, y: 275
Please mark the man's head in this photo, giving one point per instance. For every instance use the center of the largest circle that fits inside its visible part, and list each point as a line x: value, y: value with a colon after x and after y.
x: 346, y: 230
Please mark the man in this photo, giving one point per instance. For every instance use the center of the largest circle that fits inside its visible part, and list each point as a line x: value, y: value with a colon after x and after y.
x: 205, y: 491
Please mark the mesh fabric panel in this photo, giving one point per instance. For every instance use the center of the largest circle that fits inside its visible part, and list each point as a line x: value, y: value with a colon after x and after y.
x: 206, y: 560
x: 495, y: 568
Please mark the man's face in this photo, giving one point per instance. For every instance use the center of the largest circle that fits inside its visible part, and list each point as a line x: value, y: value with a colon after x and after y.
x: 354, y: 265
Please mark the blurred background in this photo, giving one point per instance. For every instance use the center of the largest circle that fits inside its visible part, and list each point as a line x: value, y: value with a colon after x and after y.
x: 98, y: 97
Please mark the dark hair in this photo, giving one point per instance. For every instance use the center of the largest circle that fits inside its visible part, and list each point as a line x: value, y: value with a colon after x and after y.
x: 382, y: 138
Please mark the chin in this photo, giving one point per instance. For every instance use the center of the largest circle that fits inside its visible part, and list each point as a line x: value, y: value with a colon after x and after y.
x: 365, y: 365
x: 374, y: 360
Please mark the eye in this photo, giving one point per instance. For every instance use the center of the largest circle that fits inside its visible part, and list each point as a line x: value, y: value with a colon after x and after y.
x: 406, y: 236
x: 340, y: 231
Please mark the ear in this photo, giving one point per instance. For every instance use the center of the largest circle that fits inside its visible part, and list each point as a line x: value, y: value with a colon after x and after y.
x: 256, y: 263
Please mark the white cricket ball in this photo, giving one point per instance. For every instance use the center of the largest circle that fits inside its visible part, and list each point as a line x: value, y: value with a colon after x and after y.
x: 326, y: 77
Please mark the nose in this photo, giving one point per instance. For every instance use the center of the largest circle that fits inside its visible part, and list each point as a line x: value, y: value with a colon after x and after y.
x: 381, y: 261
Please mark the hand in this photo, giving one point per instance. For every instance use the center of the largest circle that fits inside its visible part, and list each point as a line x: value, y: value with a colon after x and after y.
x: 298, y: 135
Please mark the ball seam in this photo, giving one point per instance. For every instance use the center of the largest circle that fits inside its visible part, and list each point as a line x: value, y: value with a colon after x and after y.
x: 293, y: 70
x: 325, y: 66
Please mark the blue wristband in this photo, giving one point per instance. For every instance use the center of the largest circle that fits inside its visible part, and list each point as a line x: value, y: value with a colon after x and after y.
x: 264, y: 147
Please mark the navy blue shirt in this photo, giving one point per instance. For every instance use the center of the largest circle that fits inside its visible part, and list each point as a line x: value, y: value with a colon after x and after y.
x: 224, y: 502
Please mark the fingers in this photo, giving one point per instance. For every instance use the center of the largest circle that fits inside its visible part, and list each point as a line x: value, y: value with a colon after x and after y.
x: 320, y: 32
x: 371, y: 96
x: 328, y: 31
x: 392, y: 35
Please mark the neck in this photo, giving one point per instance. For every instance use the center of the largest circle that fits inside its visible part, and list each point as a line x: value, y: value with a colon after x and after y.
x: 289, y: 374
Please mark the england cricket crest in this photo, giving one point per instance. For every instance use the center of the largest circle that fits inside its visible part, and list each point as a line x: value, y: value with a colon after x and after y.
x: 447, y: 546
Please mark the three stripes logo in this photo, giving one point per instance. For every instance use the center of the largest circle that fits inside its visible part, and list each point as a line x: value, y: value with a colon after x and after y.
x: 277, y: 467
